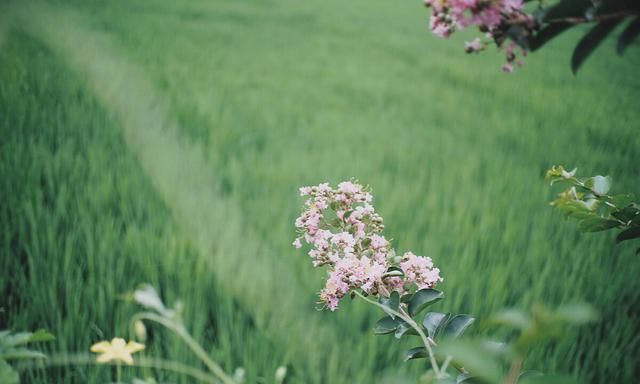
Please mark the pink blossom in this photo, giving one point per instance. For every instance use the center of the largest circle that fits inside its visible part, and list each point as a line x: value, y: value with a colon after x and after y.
x: 378, y: 242
x: 474, y: 45
x: 511, y: 6
x: 305, y: 191
x: 420, y: 270
x: 440, y: 26
x: 344, y: 240
x: 348, y: 187
x: 296, y: 243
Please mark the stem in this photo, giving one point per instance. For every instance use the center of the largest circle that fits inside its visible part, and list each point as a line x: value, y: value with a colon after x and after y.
x: 191, y: 343
x: 514, y: 371
x: 118, y: 373
x: 165, y: 365
x: 404, y: 316
x: 445, y: 365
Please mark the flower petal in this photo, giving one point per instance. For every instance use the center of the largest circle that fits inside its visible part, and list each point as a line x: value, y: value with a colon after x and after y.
x: 133, y: 347
x: 101, y: 347
x: 105, y: 357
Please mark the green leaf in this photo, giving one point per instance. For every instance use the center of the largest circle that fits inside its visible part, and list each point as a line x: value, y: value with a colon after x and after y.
x: 15, y: 339
x: 628, y: 234
x: 385, y: 326
x: 416, y: 353
x: 7, y: 374
x: 547, y: 379
x: 41, y: 335
x: 575, y: 206
x: 627, y: 214
x: 21, y: 353
x: 627, y: 36
x: 544, y: 36
x: 528, y: 375
x: 393, y: 271
x: 465, y: 378
x: 406, y: 298
x: 432, y: 321
x: 390, y: 303
x: 590, y: 42
x: 473, y: 358
x: 404, y: 329
x: 424, y: 298
x: 457, y: 325
x: 577, y: 313
x: 621, y: 200
x: 498, y: 349
x: 596, y: 224
x: 512, y: 318
x: 567, y: 9
x: 600, y: 185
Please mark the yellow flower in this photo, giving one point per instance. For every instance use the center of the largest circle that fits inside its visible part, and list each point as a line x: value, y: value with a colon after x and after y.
x: 117, y: 350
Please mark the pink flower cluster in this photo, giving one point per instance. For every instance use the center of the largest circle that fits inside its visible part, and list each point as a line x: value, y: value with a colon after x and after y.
x: 344, y: 232
x: 490, y: 16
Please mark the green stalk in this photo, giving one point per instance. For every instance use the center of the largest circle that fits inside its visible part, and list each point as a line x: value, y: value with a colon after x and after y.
x: 191, y: 343
x: 404, y: 316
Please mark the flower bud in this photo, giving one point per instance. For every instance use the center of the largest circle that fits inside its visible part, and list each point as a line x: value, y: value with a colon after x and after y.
x: 140, y: 330
x: 239, y: 376
x: 281, y: 373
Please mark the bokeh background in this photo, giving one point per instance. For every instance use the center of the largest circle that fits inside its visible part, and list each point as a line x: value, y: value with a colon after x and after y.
x: 164, y: 141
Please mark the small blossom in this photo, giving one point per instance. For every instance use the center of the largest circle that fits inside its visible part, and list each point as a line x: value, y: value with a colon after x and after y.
x: 378, y: 241
x: 420, y: 270
x: 507, y: 67
x: 147, y: 296
x: 568, y: 175
x: 296, y: 243
x: 344, y: 240
x: 117, y: 350
x: 511, y: 6
x: 474, y: 45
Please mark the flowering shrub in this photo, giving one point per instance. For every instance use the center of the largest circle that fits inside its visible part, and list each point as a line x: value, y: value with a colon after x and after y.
x: 512, y: 27
x: 344, y: 234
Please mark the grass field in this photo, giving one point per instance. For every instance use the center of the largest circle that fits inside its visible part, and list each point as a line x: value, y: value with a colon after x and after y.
x: 163, y: 142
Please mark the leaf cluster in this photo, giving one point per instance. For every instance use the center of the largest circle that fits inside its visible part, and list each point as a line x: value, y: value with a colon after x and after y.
x: 588, y: 201
x: 550, y: 21
x: 13, y: 347
x: 484, y: 361
x: 476, y: 361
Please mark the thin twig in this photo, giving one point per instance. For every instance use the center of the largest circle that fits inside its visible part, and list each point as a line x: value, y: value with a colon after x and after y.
x: 404, y: 316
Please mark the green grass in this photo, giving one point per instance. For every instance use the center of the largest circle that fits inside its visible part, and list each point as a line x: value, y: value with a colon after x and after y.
x: 164, y: 142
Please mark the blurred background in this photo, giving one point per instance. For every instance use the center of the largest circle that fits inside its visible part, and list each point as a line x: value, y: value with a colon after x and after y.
x: 163, y: 142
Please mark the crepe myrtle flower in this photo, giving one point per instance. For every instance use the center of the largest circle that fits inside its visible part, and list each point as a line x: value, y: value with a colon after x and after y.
x: 344, y: 233
x: 491, y: 17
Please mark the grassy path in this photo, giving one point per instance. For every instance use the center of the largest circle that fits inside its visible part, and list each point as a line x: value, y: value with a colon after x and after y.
x: 182, y: 177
